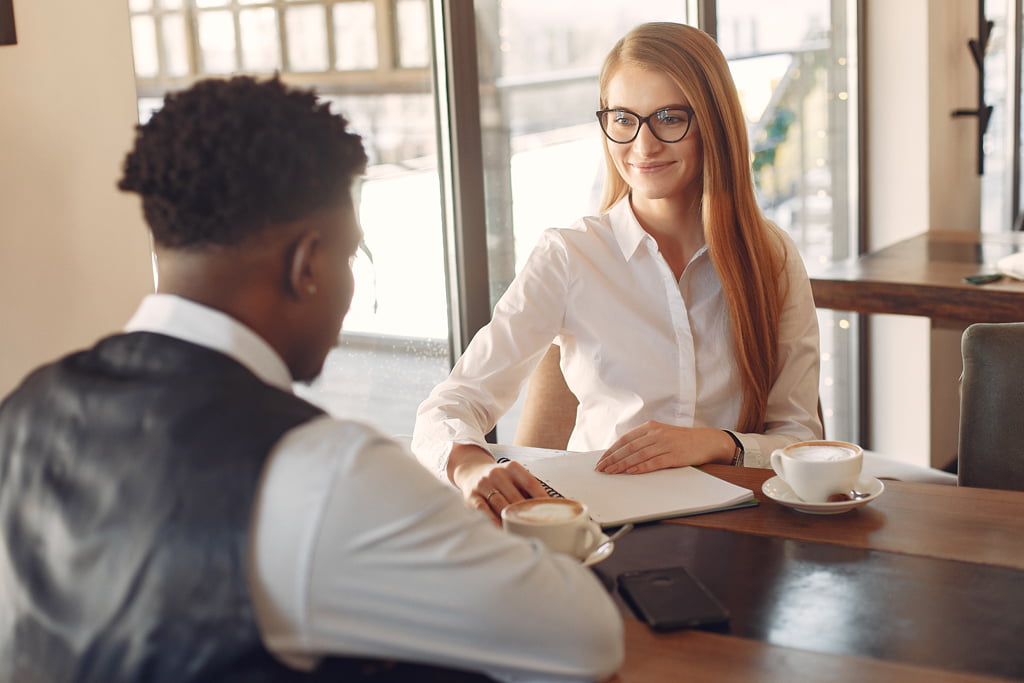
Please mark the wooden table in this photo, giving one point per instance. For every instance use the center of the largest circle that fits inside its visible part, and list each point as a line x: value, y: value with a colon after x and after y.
x: 939, y: 531
x: 923, y: 276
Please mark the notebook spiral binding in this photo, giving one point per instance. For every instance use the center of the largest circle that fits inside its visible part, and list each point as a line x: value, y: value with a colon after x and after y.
x: 551, y: 492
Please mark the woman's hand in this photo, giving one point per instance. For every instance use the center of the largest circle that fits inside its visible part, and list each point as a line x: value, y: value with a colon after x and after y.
x: 488, y: 486
x: 657, y: 446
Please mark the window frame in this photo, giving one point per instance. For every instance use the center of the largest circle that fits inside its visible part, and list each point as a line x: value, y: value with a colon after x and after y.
x: 453, y: 74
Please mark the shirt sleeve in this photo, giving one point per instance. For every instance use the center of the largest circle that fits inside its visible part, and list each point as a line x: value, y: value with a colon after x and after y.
x: 487, y: 379
x: 358, y: 551
x: 792, y: 411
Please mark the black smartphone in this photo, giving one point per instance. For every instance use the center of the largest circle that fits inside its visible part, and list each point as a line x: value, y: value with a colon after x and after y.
x: 983, y: 279
x: 671, y: 598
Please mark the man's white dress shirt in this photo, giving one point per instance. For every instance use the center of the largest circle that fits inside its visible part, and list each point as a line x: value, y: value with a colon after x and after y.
x: 636, y: 345
x: 356, y: 550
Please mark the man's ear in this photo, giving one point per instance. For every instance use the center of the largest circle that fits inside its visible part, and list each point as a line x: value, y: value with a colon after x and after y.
x: 303, y: 271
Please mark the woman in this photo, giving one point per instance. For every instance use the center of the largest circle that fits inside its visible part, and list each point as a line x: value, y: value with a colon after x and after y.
x: 685, y: 319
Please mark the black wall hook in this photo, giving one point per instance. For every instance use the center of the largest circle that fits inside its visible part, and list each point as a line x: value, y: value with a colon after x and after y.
x: 977, y: 48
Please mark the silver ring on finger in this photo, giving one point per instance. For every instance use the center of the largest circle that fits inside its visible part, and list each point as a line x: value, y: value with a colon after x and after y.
x: 489, y: 494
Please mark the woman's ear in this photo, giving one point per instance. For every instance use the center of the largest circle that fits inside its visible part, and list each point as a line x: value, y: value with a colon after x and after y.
x: 303, y: 271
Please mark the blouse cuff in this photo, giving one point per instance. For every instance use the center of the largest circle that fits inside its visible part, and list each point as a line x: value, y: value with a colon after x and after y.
x: 445, y: 454
x: 752, y: 456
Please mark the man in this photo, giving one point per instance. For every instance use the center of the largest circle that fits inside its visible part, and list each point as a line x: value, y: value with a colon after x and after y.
x: 170, y: 511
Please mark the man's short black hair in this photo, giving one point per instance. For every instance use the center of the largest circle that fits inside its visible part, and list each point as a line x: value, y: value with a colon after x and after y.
x: 226, y: 158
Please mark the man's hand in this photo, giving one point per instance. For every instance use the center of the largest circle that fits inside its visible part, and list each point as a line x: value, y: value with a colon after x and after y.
x: 657, y: 446
x: 488, y: 486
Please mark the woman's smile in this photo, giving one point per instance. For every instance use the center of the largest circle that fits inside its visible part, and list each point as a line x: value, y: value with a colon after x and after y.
x: 650, y: 166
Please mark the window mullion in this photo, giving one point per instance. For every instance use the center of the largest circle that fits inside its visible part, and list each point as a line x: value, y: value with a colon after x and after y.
x: 704, y: 15
x: 282, y: 37
x: 236, y: 21
x: 387, y: 36
x: 461, y: 168
x: 332, y: 56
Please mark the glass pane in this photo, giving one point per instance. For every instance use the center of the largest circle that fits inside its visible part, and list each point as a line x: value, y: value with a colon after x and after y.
x: 1018, y: 154
x: 539, y: 62
x: 140, y: 5
x: 997, y: 210
x: 144, y: 48
x: 217, y: 42
x: 355, y: 36
x: 261, y: 45
x: 307, y: 38
x: 792, y: 71
x: 175, y: 45
x: 413, y: 33
x: 394, y: 344
x: 170, y: 4
x: 212, y: 3
x: 838, y: 384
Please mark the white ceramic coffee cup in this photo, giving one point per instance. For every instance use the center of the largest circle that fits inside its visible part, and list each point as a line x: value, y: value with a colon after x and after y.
x: 816, y: 470
x: 563, y: 525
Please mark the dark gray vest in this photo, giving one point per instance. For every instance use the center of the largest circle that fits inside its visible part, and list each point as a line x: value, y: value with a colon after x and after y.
x: 127, y: 477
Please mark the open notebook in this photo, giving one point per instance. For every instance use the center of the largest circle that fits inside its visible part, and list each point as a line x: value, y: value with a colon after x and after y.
x: 616, y: 499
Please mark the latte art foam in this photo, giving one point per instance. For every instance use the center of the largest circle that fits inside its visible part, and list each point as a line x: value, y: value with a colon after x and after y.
x: 822, y: 453
x: 547, y: 512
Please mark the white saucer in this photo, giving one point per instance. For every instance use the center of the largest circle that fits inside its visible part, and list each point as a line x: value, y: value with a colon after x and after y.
x: 779, y: 491
x: 601, y: 552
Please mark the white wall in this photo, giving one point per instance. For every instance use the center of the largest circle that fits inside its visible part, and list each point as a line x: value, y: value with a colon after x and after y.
x: 955, y: 198
x: 920, y: 177
x: 897, y: 178
x: 953, y: 182
x: 74, y: 253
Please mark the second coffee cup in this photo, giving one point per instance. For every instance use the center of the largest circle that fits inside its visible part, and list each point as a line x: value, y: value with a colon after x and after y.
x: 563, y: 525
x: 816, y: 470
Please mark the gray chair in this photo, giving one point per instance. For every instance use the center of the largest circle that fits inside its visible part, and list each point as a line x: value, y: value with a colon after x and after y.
x: 991, y: 449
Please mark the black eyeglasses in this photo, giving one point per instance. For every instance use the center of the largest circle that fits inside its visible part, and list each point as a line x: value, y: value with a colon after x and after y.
x: 668, y: 125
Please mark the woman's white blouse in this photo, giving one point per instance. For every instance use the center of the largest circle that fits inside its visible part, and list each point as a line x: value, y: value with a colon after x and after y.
x: 636, y: 345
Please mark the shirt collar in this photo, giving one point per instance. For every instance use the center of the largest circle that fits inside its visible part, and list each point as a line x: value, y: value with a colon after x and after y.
x: 627, y: 229
x: 189, y: 321
x: 629, y: 233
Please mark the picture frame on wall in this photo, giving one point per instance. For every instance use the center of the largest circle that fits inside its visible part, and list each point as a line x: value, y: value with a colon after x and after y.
x: 8, y: 36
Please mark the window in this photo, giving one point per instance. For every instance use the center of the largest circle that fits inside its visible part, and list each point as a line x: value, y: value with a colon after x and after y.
x: 370, y: 59
x: 793, y: 70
